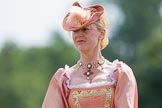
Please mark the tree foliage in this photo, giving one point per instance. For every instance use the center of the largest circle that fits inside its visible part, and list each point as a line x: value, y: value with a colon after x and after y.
x: 25, y: 73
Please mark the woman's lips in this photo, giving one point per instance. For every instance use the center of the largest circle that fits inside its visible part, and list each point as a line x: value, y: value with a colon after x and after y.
x: 80, y: 41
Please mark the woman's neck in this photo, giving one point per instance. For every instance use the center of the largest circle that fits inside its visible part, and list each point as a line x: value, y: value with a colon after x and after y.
x: 90, y: 57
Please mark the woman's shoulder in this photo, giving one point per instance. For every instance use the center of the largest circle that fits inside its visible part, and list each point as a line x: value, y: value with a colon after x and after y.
x: 120, y: 65
x: 59, y: 71
x: 122, y: 70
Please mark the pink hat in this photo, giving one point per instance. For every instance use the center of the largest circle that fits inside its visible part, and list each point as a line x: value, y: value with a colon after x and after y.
x: 79, y: 16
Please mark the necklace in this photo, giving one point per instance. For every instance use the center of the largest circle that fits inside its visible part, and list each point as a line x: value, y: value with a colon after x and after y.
x: 89, y: 66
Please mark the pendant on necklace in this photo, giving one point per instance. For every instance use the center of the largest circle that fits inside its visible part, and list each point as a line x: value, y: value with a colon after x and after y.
x: 89, y: 66
x: 89, y: 72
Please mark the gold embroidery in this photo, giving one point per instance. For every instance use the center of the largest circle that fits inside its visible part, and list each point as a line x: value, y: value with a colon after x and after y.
x: 84, y: 93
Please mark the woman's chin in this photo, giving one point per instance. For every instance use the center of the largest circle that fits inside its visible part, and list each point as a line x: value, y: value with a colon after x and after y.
x: 82, y: 48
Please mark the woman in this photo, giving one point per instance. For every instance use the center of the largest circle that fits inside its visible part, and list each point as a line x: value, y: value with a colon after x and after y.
x: 93, y: 82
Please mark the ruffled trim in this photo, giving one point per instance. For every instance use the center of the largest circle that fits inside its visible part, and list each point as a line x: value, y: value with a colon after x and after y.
x: 94, y: 84
x: 88, y: 85
x: 113, y: 68
x: 67, y: 71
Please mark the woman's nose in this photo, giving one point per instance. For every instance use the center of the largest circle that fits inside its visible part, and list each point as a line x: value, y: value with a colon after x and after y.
x: 78, y: 32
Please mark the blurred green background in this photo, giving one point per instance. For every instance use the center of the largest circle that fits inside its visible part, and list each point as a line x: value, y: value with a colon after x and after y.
x: 137, y: 40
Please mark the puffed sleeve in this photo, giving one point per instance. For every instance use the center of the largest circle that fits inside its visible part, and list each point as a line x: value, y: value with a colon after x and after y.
x: 56, y: 92
x: 126, y: 94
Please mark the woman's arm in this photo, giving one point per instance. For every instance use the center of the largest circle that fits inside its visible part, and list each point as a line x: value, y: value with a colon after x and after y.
x: 56, y: 92
x: 126, y: 94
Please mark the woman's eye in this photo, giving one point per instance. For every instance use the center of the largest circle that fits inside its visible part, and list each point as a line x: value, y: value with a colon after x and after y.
x: 85, y: 29
x: 82, y: 29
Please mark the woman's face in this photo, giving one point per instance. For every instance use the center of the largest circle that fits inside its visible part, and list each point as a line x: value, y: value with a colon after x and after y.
x: 86, y: 38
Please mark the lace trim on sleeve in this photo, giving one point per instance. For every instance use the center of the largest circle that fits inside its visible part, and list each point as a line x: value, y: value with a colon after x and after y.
x: 113, y: 68
x: 67, y: 72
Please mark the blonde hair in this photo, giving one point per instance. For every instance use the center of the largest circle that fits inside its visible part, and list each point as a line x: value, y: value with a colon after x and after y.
x: 102, y: 24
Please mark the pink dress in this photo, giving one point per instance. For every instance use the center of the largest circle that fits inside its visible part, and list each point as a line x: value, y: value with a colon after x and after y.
x: 120, y: 92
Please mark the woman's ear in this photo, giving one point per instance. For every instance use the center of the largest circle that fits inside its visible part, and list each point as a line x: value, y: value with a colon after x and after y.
x: 102, y: 34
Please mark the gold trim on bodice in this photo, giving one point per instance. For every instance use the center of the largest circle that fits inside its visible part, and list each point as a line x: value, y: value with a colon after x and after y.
x: 93, y: 92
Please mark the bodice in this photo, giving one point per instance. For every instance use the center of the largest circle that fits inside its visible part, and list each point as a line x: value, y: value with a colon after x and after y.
x: 96, y: 97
